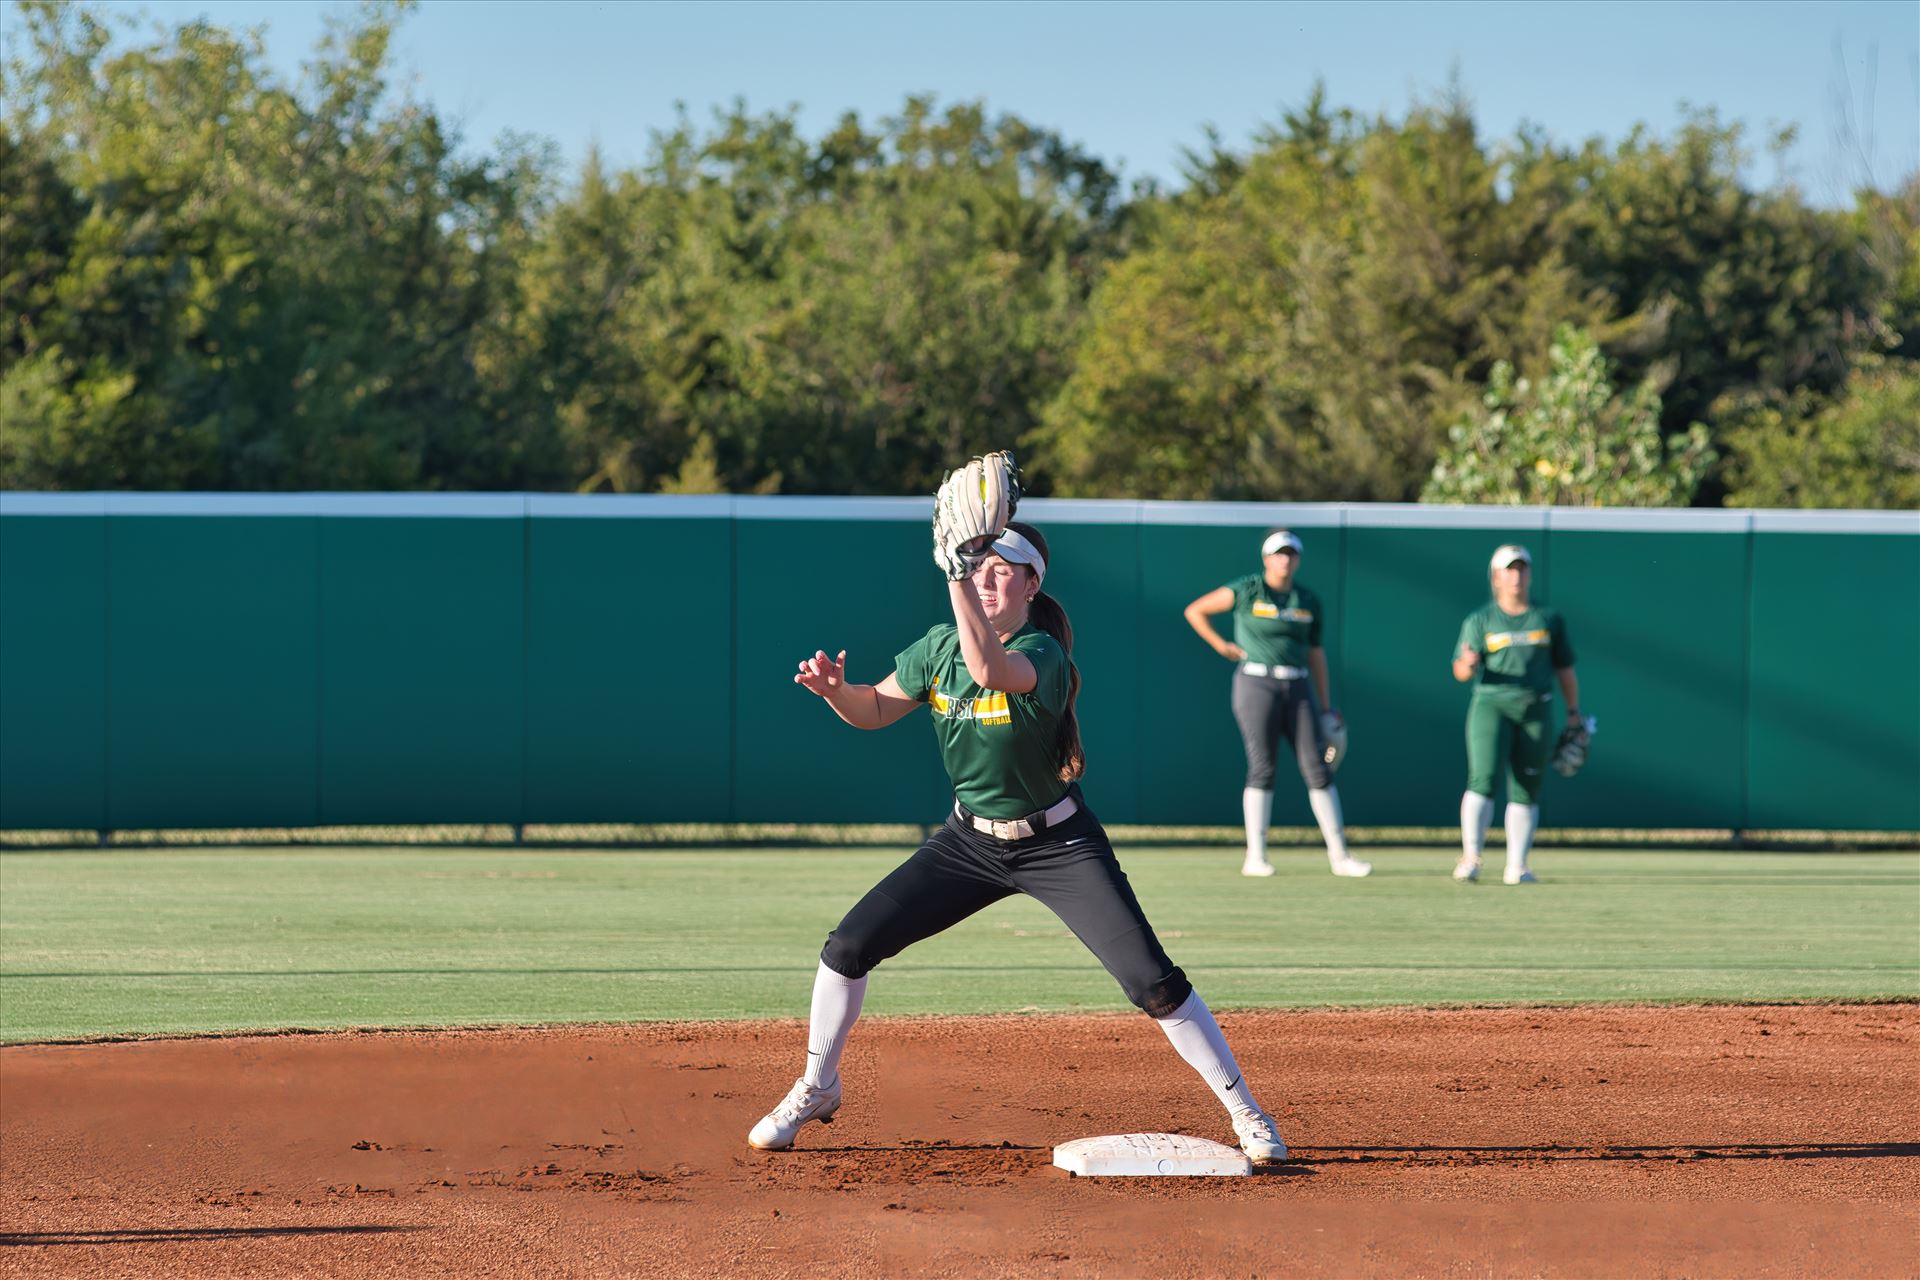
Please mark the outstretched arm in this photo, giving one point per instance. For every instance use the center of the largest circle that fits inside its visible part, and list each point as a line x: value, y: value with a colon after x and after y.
x: 1218, y: 600
x: 864, y: 706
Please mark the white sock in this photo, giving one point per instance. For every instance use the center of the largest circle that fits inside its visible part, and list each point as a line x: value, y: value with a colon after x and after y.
x: 1256, y: 807
x: 1326, y: 810
x: 836, y: 1007
x: 1521, y: 821
x: 1196, y: 1036
x: 1476, y: 815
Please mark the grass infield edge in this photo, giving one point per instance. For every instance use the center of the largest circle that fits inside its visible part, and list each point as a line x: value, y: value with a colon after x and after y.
x: 488, y: 1028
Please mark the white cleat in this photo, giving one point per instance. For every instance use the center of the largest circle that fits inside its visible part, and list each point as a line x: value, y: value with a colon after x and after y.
x: 1466, y: 870
x: 1522, y: 876
x: 1352, y: 867
x: 803, y: 1102
x: 1258, y: 1138
x: 1256, y: 867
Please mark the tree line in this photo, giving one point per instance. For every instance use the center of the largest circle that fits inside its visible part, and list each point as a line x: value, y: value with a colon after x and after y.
x: 212, y: 278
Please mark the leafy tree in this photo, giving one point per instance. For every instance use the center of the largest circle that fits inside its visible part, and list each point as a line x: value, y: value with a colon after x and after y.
x: 54, y: 410
x: 1568, y: 440
x: 211, y: 277
x: 754, y: 311
x: 289, y: 286
x: 1750, y: 289
x: 1307, y: 316
x: 1860, y: 450
x: 937, y: 304
x: 1888, y: 227
x: 39, y: 217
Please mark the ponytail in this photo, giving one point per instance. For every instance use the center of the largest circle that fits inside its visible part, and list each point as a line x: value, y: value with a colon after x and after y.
x: 1046, y: 613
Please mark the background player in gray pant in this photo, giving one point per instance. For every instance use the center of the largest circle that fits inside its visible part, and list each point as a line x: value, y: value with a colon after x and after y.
x: 1279, y: 690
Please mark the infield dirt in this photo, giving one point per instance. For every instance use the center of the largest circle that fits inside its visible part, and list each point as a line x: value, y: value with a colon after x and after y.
x: 1751, y: 1141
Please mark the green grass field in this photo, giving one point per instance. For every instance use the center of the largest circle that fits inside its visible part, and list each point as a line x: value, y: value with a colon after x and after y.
x: 215, y: 939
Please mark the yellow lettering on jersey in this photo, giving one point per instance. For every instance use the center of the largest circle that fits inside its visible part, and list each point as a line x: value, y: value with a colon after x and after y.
x: 988, y: 708
x: 1265, y: 609
x: 991, y: 708
x: 1498, y: 640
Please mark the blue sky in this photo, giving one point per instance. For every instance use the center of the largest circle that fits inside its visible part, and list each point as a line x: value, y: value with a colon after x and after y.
x: 1136, y: 82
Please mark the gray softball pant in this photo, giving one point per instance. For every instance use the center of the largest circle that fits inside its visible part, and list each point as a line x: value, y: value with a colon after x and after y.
x: 1268, y: 710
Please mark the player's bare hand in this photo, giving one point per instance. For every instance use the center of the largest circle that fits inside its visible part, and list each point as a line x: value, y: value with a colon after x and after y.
x: 821, y: 674
x: 1469, y: 658
x: 1234, y: 653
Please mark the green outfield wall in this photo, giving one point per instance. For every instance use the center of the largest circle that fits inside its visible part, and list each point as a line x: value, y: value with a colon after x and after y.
x: 203, y: 660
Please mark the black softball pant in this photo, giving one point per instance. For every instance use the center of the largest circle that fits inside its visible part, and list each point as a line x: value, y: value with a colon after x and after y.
x: 1268, y: 710
x: 1070, y: 868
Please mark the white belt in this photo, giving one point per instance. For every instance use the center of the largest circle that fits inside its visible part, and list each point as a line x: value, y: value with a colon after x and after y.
x: 1020, y: 828
x: 1278, y: 673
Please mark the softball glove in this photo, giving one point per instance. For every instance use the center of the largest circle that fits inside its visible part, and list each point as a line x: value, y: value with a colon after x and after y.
x: 1333, y: 739
x: 1570, y: 752
x: 971, y: 510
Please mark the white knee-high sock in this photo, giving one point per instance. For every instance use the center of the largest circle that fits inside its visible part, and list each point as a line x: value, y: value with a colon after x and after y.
x: 1476, y: 815
x: 1197, y: 1038
x: 836, y: 1007
x: 1256, y: 808
x: 1521, y: 821
x: 1326, y: 811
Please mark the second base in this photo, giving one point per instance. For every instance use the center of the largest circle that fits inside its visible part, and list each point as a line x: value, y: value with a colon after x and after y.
x: 1151, y: 1155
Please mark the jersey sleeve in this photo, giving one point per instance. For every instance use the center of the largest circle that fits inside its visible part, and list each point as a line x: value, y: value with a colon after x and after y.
x: 1242, y: 589
x: 913, y: 666
x: 1316, y: 628
x: 1473, y: 635
x: 1562, y: 643
x: 1052, y: 680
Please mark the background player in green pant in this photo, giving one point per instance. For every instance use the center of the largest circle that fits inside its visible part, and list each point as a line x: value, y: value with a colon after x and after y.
x: 1515, y: 651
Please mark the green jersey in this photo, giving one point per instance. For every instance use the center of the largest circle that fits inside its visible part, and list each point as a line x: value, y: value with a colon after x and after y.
x: 1275, y: 627
x: 999, y: 748
x: 1519, y: 652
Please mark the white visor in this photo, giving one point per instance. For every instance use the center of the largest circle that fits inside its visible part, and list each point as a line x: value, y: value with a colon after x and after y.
x: 1504, y: 556
x: 1015, y: 549
x: 1280, y: 540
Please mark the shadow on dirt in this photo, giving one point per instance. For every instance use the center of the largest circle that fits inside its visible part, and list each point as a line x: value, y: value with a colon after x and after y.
x: 911, y: 1148
x: 137, y: 1235
x: 1553, y: 1153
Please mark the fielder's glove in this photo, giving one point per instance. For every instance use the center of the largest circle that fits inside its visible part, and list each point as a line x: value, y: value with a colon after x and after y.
x: 1333, y: 739
x: 1570, y: 752
x: 971, y: 510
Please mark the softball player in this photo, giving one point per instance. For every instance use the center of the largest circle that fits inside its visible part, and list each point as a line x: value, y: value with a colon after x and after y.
x: 1514, y: 651
x: 1001, y: 687
x: 1277, y: 625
